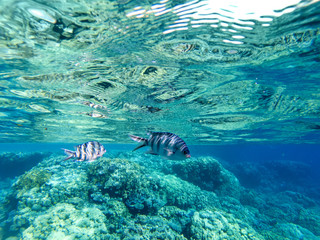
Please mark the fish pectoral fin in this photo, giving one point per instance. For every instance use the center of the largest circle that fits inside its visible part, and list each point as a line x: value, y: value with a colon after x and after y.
x: 169, y: 152
x: 139, y: 146
x: 151, y: 152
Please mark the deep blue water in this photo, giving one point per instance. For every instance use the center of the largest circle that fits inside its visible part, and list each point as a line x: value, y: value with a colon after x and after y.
x: 309, y: 153
x: 229, y: 155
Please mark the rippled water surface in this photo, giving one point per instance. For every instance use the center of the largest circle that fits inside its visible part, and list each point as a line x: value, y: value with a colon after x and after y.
x: 209, y: 71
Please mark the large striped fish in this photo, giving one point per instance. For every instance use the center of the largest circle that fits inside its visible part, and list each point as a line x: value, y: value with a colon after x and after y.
x: 87, y: 151
x: 165, y: 144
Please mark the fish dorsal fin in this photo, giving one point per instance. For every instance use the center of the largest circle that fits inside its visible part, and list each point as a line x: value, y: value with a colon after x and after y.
x: 143, y: 141
x: 70, y: 154
x: 137, y: 138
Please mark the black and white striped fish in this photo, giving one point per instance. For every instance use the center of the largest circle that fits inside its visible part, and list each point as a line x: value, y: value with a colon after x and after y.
x: 87, y: 151
x: 165, y: 144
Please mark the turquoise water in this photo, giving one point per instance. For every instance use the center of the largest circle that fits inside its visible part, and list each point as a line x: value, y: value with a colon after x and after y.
x: 238, y: 81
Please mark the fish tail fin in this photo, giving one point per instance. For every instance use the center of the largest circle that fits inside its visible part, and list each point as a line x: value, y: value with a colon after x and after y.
x: 144, y: 141
x: 70, y: 153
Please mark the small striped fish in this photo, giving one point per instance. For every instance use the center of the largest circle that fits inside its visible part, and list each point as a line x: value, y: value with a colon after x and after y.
x: 87, y: 151
x: 165, y: 144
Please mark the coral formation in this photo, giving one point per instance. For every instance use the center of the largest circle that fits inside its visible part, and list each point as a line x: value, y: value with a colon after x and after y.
x: 219, y: 225
x: 33, y: 178
x: 131, y: 196
x: 120, y: 178
x: 208, y: 174
x: 65, y: 221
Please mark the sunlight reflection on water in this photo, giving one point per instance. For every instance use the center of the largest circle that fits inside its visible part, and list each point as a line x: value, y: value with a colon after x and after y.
x: 226, y: 14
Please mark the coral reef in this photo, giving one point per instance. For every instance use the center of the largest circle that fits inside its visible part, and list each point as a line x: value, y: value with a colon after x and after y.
x: 208, y: 174
x: 288, y: 231
x: 64, y: 221
x: 219, y: 225
x: 129, y: 181
x: 131, y: 196
x: 32, y: 179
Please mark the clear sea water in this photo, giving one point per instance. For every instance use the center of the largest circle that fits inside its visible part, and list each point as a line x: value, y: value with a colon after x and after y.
x: 238, y: 81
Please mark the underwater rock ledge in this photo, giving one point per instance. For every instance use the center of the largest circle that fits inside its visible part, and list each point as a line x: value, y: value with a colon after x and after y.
x: 126, y: 198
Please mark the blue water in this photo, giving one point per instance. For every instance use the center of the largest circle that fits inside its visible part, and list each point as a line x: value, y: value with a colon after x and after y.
x: 238, y: 83
x: 231, y: 156
x: 309, y: 153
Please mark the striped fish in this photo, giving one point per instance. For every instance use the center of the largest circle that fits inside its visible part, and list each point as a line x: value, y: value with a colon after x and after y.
x: 165, y: 144
x: 87, y: 151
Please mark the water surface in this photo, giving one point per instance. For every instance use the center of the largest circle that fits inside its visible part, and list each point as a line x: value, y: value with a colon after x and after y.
x: 211, y: 72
